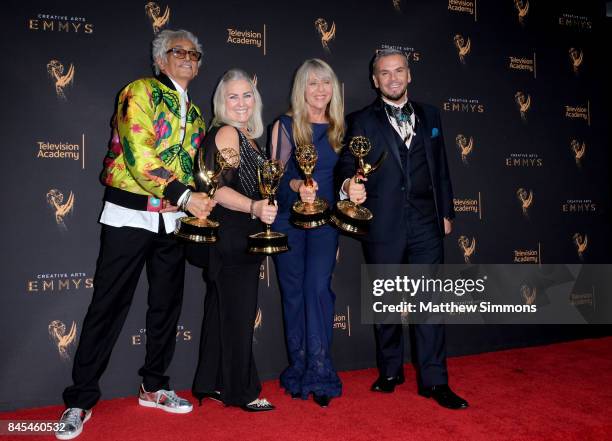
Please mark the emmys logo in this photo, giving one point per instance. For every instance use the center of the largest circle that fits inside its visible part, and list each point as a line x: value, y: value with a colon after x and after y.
x: 524, y: 160
x: 468, y: 247
x: 523, y: 103
x: 463, y: 47
x: 576, y: 22
x: 528, y: 294
x: 182, y: 335
x: 576, y: 56
x: 59, y: 23
x: 579, y: 150
x: 579, y: 206
x: 525, y: 197
x: 579, y: 112
x: 465, y: 146
x: 342, y: 320
x: 522, y: 9
x: 523, y: 64
x: 158, y: 21
x: 57, y: 282
x: 526, y: 256
x: 325, y: 34
x: 463, y: 6
x: 468, y: 205
x: 56, y: 71
x: 62, y: 339
x: 55, y: 199
x: 463, y: 105
x: 581, y: 243
x: 247, y: 38
x: 411, y: 53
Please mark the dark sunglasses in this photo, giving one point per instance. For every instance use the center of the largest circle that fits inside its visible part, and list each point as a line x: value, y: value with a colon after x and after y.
x: 182, y: 53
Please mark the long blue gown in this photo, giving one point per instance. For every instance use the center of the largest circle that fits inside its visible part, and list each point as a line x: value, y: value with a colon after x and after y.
x: 305, y: 274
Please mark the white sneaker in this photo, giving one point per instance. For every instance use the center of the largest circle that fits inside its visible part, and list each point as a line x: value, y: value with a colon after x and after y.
x: 71, y: 423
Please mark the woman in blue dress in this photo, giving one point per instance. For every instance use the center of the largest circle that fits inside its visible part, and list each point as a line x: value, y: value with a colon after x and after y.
x: 304, y: 273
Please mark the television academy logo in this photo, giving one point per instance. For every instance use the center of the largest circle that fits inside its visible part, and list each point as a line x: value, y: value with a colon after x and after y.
x: 581, y: 243
x: 468, y: 247
x: 522, y: 9
x: 528, y: 294
x: 63, y: 340
x: 523, y: 102
x: 525, y: 197
x: 523, y: 64
x: 579, y: 112
x: 579, y: 149
x: 247, y: 38
x: 56, y: 70
x: 463, y: 47
x: 463, y: 6
x: 342, y: 320
x: 468, y: 205
x: 528, y: 256
x: 326, y: 34
x: 61, y: 209
x: 158, y: 20
x: 465, y: 146
x: 576, y: 57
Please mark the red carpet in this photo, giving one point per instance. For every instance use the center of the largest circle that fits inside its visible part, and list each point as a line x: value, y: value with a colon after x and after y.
x: 557, y: 392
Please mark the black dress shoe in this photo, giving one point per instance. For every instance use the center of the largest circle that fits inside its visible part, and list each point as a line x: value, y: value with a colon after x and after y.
x: 387, y: 384
x: 258, y: 405
x: 214, y: 395
x: 321, y: 400
x: 444, y: 396
x: 296, y: 395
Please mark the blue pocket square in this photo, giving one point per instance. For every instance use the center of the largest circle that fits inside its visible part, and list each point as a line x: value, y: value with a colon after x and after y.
x: 434, y: 132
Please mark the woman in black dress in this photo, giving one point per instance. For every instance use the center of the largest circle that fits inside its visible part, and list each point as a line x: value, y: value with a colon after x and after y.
x: 226, y: 370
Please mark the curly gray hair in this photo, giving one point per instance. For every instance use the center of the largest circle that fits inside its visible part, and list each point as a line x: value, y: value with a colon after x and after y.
x: 162, y: 41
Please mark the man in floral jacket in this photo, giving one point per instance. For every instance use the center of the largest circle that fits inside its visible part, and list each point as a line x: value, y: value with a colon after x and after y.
x: 148, y: 179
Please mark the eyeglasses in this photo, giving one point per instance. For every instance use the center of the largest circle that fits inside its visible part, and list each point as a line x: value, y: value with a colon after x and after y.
x: 182, y: 53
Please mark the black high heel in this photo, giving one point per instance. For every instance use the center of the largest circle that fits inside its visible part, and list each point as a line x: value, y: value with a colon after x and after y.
x: 214, y: 395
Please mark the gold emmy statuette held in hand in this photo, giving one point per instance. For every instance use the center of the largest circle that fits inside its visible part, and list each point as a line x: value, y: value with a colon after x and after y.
x: 348, y: 216
x: 269, y: 242
x: 206, y: 230
x: 308, y: 214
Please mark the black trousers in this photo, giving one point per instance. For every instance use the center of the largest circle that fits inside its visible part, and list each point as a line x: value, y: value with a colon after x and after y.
x: 124, y: 252
x: 226, y: 360
x: 422, y: 243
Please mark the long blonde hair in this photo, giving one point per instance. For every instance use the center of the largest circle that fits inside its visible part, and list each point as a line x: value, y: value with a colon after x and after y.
x: 302, y: 129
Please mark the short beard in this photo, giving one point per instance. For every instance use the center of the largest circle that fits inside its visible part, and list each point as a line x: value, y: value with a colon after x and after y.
x: 395, y: 97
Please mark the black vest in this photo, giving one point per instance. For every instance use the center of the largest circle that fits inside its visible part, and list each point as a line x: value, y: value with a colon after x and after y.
x: 417, y: 178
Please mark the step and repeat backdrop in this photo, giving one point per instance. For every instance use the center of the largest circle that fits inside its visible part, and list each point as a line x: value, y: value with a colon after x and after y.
x: 518, y: 82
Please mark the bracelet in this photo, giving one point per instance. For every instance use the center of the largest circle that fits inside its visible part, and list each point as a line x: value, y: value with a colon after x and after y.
x: 251, y: 209
x: 186, y: 199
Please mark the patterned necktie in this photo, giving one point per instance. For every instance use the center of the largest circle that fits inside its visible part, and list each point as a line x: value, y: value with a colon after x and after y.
x: 401, y: 115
